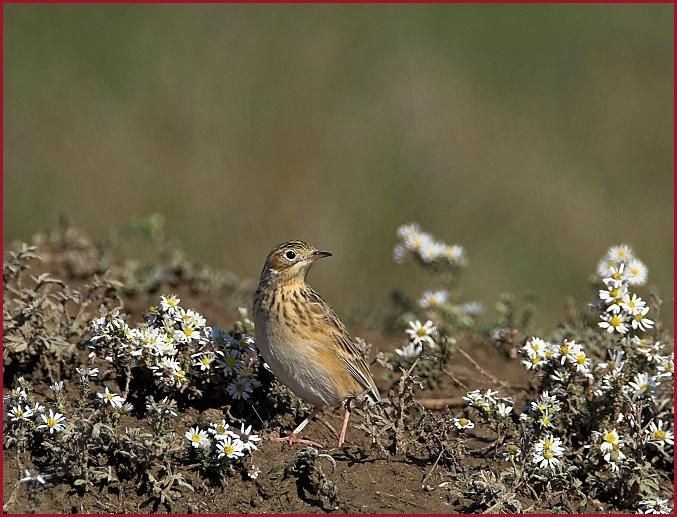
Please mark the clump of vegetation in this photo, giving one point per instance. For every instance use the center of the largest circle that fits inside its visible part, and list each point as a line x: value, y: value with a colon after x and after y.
x: 158, y: 400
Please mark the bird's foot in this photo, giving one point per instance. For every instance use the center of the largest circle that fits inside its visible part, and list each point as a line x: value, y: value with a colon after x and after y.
x: 294, y: 438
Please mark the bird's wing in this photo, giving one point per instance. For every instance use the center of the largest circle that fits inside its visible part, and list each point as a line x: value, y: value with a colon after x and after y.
x: 348, y: 353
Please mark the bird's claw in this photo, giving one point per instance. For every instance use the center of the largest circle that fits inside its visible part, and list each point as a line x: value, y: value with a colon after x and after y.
x: 294, y: 438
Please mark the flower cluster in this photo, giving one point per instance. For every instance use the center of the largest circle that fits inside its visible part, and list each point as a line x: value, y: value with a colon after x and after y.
x: 220, y: 444
x: 489, y: 402
x: 178, y: 347
x: 624, y: 311
x: 567, y: 357
x: 25, y: 412
x: 424, y: 247
x: 420, y: 335
x: 656, y: 506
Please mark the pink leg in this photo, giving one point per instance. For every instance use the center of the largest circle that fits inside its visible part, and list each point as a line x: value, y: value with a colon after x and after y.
x: 342, y: 436
x: 294, y: 436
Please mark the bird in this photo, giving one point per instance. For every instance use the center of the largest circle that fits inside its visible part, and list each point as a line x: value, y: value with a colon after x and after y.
x: 303, y: 341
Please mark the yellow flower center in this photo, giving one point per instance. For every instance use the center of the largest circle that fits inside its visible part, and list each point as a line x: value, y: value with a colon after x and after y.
x: 206, y: 360
x: 616, y: 321
x: 564, y: 349
x: 548, y: 454
x: 659, y: 434
x: 188, y: 330
x: 51, y: 422
x: 547, y: 444
x: 228, y: 449
x: 196, y: 438
x: 421, y: 332
x: 463, y: 421
x: 610, y: 437
x: 220, y: 429
x: 581, y: 358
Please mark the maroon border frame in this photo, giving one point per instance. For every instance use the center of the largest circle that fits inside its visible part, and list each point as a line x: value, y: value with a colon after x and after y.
x: 2, y: 126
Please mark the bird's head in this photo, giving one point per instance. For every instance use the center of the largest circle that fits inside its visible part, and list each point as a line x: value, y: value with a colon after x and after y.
x: 290, y: 261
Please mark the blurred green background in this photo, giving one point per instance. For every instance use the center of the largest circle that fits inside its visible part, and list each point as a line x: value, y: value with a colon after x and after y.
x: 535, y: 135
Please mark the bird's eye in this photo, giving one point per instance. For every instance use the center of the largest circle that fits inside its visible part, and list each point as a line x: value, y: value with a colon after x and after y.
x: 290, y: 254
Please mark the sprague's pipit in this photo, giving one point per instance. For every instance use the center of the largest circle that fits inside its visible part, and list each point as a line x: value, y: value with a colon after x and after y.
x: 301, y: 339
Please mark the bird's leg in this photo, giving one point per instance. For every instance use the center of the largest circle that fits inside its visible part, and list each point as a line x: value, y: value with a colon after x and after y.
x: 342, y: 436
x: 294, y: 436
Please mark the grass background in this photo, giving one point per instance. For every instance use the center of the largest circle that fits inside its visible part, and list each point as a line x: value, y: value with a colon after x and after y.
x: 535, y: 135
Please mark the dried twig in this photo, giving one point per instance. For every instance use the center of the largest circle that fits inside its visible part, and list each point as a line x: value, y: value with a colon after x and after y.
x: 441, y: 403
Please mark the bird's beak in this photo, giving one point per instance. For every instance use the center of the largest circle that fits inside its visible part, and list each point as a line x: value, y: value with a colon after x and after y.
x: 320, y: 254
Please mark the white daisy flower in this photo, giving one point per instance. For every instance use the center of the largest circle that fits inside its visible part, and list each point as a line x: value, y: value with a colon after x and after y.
x: 204, y: 361
x: 620, y: 253
x: 86, y: 373
x: 640, y: 321
x: 230, y: 361
x: 535, y: 346
x: 659, y: 434
x: 643, y: 383
x: 198, y: 438
x: 463, y: 423
x: 614, y: 322
x: 20, y: 414
x: 186, y: 333
x: 453, y: 253
x: 406, y: 231
x: 170, y: 304
x: 418, y: 241
x: 503, y: 409
x: 547, y: 452
x: 613, y: 294
x: 253, y: 471
x: 248, y: 439
x: 229, y: 448
x: 582, y: 362
x: 53, y: 422
x: 637, y: 272
x: 240, y: 388
x: 421, y: 333
x: 610, y: 439
x: 113, y: 399
x: 409, y: 351
x: 433, y: 299
x: 220, y: 430
x: 474, y: 398
x: 56, y: 387
x: 533, y: 362
x: 666, y: 366
x: 652, y: 353
x: 604, y: 267
x: 632, y: 305
x: 568, y: 351
x: 430, y: 251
